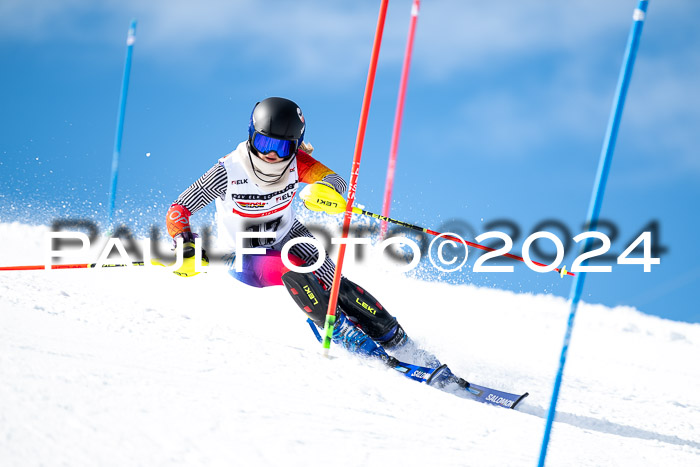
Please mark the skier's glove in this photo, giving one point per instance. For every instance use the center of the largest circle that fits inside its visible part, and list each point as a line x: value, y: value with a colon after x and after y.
x: 321, y: 196
x: 188, y: 250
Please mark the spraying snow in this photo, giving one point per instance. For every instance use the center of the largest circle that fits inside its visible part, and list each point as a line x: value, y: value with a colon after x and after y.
x: 141, y: 367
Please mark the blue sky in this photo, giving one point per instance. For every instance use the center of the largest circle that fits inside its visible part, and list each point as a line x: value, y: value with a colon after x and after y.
x: 505, y: 116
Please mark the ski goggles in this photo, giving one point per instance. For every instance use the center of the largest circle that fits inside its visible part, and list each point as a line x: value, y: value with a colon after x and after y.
x: 265, y: 145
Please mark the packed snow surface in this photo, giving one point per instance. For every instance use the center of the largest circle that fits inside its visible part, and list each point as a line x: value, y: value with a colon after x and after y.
x: 138, y: 366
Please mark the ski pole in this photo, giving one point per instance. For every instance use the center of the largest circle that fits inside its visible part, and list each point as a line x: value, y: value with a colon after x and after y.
x: 69, y: 266
x: 356, y: 210
x: 352, y: 186
x: 154, y: 262
x: 178, y: 267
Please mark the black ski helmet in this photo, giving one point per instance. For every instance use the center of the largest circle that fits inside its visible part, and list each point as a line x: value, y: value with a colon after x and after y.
x: 278, y: 118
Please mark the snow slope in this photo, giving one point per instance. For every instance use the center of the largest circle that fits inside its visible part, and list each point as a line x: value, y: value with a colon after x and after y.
x: 141, y: 367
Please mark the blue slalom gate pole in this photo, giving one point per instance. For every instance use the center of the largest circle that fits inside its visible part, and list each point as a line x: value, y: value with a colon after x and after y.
x: 131, y: 37
x: 596, y: 202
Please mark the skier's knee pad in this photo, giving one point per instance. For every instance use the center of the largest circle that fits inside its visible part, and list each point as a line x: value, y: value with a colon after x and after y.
x: 308, y: 294
x: 368, y: 312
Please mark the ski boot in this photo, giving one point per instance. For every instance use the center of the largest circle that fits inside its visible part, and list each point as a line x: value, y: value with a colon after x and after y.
x: 406, y: 350
x: 360, y: 309
x: 349, y: 336
x: 381, y: 326
x: 442, y: 376
x: 310, y: 295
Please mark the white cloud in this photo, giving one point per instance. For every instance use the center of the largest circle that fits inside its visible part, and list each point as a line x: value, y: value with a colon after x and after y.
x: 37, y: 20
x: 452, y: 35
x: 315, y: 36
x: 328, y: 43
x: 466, y: 35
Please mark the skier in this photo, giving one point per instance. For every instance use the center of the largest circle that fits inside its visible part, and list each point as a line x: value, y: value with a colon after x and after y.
x: 253, y: 188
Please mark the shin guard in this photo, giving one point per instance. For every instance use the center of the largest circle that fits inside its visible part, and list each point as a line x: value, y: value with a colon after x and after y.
x: 366, y: 310
x: 308, y: 294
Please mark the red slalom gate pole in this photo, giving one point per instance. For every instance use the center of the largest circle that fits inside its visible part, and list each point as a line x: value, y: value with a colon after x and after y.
x: 352, y: 186
x: 393, y: 151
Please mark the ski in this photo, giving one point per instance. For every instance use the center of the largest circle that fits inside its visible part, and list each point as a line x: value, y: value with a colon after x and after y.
x: 414, y: 372
x: 442, y: 376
